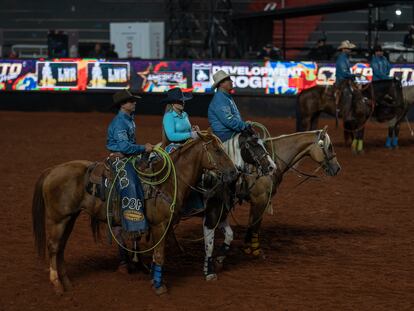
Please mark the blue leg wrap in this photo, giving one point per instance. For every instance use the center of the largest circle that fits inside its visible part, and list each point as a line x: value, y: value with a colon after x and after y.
x: 388, y: 142
x: 156, y: 271
x: 395, y: 142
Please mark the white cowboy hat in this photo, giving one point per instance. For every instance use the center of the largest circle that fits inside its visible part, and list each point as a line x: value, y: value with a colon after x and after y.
x: 346, y: 45
x: 218, y: 77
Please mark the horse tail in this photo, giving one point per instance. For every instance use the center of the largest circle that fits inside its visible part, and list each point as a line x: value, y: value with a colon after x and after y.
x: 299, y: 127
x: 38, y: 216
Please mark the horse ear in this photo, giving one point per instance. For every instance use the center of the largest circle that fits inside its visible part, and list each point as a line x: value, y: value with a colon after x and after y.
x: 325, y: 129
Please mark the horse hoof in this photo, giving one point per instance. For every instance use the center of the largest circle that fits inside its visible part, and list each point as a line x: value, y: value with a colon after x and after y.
x: 123, y: 269
x: 67, y: 285
x: 218, y: 265
x: 160, y: 290
x: 247, y: 250
x: 59, y: 289
x: 211, y: 277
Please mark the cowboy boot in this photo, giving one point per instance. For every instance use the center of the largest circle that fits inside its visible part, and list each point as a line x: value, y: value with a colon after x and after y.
x: 388, y: 142
x: 209, y: 272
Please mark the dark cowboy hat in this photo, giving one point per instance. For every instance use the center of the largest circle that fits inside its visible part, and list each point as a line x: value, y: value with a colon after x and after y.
x: 377, y: 48
x: 176, y: 95
x: 123, y: 96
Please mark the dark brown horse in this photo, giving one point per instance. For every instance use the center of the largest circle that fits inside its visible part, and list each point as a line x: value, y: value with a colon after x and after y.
x: 60, y: 197
x: 287, y: 151
x: 384, y: 101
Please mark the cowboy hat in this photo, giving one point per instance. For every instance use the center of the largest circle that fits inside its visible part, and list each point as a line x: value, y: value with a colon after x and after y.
x: 176, y: 95
x: 218, y: 77
x: 346, y: 45
x: 377, y: 48
x: 123, y: 96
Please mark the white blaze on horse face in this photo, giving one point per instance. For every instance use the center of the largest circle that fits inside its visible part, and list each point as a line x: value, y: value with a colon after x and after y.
x: 272, y: 163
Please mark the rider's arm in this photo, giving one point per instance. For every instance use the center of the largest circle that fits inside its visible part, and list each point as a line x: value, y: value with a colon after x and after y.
x: 227, y: 118
x: 169, y: 128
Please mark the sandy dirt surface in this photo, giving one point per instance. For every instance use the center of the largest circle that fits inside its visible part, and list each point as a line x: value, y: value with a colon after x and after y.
x: 340, y: 243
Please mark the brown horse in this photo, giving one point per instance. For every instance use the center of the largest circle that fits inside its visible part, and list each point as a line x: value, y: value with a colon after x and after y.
x: 287, y: 151
x: 60, y: 196
x: 392, y: 104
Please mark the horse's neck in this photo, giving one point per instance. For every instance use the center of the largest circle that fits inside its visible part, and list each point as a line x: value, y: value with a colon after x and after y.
x: 292, y: 148
x: 188, y: 169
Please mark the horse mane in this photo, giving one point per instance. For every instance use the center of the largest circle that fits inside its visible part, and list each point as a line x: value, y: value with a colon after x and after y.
x: 292, y: 135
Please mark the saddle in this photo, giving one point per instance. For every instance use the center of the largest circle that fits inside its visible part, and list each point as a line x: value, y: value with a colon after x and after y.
x: 97, y: 176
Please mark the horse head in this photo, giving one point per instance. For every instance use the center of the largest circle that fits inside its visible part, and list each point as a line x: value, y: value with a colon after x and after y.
x: 322, y: 152
x: 254, y: 152
x: 214, y: 157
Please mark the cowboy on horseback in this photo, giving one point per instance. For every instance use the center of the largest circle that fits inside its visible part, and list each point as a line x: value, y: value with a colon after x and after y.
x: 121, y: 143
x: 176, y: 125
x: 176, y: 130
x: 388, y: 92
x: 380, y: 65
x: 343, y: 76
x: 223, y: 115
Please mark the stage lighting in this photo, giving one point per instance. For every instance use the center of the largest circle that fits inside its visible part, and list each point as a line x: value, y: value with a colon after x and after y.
x: 398, y: 12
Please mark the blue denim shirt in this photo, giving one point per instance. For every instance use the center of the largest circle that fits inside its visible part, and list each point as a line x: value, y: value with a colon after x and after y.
x: 177, y: 126
x: 121, y: 135
x: 343, y: 68
x: 224, y: 117
x: 380, y: 68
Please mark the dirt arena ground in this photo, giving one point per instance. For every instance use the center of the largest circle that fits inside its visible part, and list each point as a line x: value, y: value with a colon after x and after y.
x: 340, y: 243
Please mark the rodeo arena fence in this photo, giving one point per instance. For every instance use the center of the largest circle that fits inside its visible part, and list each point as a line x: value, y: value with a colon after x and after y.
x: 253, y: 78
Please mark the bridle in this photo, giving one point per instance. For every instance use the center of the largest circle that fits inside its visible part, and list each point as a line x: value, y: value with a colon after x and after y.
x: 321, y: 141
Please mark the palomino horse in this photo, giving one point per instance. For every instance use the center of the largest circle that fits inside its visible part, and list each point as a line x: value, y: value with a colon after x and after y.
x: 392, y: 106
x: 288, y: 150
x: 60, y: 196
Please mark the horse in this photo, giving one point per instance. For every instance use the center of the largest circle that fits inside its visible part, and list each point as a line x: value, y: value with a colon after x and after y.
x: 60, y: 197
x: 313, y: 101
x: 287, y: 150
x: 243, y: 149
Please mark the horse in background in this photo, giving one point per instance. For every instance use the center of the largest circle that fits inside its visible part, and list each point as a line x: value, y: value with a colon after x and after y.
x: 390, y: 103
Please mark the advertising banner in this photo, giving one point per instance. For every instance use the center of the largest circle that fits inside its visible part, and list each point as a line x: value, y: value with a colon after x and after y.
x: 157, y: 76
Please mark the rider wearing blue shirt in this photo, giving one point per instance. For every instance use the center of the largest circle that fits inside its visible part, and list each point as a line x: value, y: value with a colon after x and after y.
x: 343, y: 66
x: 223, y: 115
x: 176, y: 125
x: 121, y: 143
x: 380, y: 65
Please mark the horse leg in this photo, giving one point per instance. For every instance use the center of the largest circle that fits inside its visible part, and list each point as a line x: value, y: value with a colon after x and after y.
x: 224, y: 226
x: 396, y: 134
x: 314, y: 121
x: 158, y: 258
x: 388, y: 142
x: 208, y: 232
x: 57, y: 231
x: 60, y: 255
x: 252, y: 244
x: 360, y: 140
x: 306, y: 123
